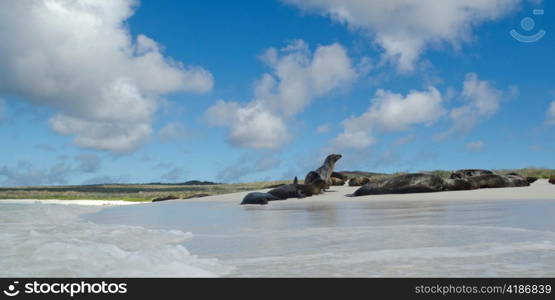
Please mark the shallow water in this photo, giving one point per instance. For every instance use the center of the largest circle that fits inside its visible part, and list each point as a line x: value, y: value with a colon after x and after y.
x: 360, y: 237
x: 50, y: 240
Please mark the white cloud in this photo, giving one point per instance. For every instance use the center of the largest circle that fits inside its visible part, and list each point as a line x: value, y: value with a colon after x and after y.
x: 551, y: 113
x: 406, y: 28
x: 173, y: 131
x: 298, y: 77
x: 79, y: 58
x: 475, y: 146
x: 483, y: 101
x: 390, y: 112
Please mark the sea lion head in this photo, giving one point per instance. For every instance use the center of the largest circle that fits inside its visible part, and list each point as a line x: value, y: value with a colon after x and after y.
x: 333, y: 158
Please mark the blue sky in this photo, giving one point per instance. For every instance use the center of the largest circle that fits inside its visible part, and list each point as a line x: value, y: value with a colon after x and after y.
x: 161, y: 91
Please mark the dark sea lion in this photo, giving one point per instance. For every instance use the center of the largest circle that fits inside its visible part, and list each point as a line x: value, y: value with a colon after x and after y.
x: 340, y: 176
x: 552, y: 179
x: 498, y: 181
x: 337, y: 181
x: 170, y: 197
x: 358, y: 181
x: 460, y: 174
x: 403, y: 184
x: 324, y: 172
x: 289, y: 191
x: 258, y: 198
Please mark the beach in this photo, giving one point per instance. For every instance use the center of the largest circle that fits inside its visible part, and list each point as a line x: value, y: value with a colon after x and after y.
x: 506, y: 232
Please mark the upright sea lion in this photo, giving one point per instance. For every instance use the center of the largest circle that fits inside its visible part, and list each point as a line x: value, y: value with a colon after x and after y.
x: 324, y: 172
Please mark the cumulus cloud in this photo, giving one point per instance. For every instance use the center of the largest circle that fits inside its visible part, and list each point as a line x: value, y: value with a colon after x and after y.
x: 79, y: 58
x: 390, y: 112
x: 475, y: 146
x: 406, y: 28
x: 482, y: 102
x: 298, y: 77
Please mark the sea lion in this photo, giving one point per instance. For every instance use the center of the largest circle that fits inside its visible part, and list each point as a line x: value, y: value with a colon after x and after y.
x: 459, y: 174
x: 313, y: 188
x: 289, y: 191
x: 403, y: 184
x: 498, y: 181
x: 170, y: 197
x: 552, y: 179
x: 340, y: 176
x: 324, y: 172
x: 337, y: 181
x: 358, y: 181
x: 258, y: 198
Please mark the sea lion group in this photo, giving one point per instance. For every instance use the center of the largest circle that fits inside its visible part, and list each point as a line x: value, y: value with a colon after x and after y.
x: 315, y: 182
x: 321, y: 179
x: 427, y: 183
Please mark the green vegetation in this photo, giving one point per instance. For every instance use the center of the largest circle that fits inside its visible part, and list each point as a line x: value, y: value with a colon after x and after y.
x: 147, y: 192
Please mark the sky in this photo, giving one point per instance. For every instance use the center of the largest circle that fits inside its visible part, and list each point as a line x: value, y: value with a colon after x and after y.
x: 234, y: 91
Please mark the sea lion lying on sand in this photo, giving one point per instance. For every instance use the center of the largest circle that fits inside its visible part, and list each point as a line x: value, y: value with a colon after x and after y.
x: 285, y: 191
x: 358, y: 181
x: 324, y: 172
x: 498, y: 181
x: 170, y: 197
x: 552, y: 179
x: 337, y: 181
x: 258, y: 198
x: 427, y: 183
x: 340, y: 176
x: 403, y: 184
x: 294, y: 190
